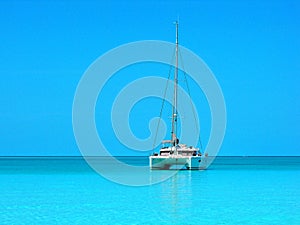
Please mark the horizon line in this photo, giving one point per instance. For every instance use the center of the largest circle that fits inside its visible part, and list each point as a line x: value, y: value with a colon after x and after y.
x: 73, y: 156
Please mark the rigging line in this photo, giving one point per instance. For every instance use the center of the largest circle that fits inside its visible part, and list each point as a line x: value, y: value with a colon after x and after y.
x: 162, y: 105
x: 189, y: 93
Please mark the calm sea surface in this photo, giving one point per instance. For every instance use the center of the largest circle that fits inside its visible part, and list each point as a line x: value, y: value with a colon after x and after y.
x: 234, y: 190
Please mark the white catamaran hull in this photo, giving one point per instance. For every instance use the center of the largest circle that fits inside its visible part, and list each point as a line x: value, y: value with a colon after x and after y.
x: 175, y: 162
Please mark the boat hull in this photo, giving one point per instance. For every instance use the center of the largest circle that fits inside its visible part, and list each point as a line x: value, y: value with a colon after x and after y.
x: 175, y: 162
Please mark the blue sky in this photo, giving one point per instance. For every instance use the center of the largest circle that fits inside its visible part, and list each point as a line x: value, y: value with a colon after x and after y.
x: 251, y: 46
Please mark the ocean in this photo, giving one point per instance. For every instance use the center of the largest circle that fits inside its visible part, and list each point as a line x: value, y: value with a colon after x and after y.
x: 233, y: 190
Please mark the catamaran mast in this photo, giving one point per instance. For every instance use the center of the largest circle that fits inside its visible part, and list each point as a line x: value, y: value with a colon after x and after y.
x: 174, y: 111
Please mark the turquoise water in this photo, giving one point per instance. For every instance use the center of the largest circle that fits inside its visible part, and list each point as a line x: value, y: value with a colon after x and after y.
x: 234, y: 190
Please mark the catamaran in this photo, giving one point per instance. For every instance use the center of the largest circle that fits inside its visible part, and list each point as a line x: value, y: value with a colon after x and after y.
x: 174, y: 154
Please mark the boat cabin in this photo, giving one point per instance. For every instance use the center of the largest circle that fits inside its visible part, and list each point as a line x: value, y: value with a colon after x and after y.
x: 168, y: 148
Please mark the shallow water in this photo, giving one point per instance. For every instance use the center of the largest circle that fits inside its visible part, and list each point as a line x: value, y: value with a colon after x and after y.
x: 244, y: 190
